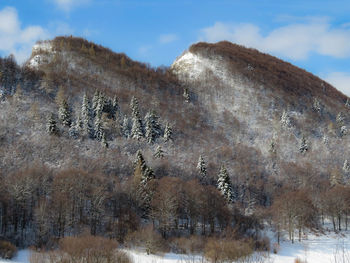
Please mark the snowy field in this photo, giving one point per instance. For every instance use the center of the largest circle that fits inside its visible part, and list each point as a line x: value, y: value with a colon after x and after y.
x: 329, y: 248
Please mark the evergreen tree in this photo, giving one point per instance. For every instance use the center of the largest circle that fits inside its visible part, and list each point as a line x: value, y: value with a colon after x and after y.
x: 224, y: 184
x: 142, y: 176
x: 316, y: 106
x: 98, y: 109
x: 125, y: 128
x: 136, y: 129
x: 343, y: 130
x: 303, y: 147
x: 201, y: 166
x: 340, y: 119
x: 146, y: 173
x: 347, y: 103
x: 98, y: 127
x: 285, y: 120
x: 64, y: 113
x: 95, y: 100
x: 115, y: 106
x: 186, y: 95
x: 104, y: 142
x: 152, y: 127
x: 85, y: 117
x: 168, y: 133
x: 51, y: 126
x: 74, y: 130
x: 159, y: 154
x: 325, y: 139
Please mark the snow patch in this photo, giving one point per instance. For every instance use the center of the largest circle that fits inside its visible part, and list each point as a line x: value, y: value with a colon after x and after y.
x: 21, y: 257
x: 42, y: 51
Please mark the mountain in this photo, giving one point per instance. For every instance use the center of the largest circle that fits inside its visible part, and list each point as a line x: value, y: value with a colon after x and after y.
x: 92, y: 139
x: 237, y: 97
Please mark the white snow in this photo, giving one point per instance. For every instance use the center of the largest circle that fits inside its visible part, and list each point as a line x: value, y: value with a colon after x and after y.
x: 316, y: 249
x: 328, y: 248
x: 40, y: 48
x: 21, y: 257
x: 142, y: 257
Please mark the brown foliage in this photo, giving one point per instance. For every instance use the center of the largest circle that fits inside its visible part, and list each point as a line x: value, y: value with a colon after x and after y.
x: 7, y: 250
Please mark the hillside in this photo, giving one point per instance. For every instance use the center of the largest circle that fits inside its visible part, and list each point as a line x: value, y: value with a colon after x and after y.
x: 77, y: 108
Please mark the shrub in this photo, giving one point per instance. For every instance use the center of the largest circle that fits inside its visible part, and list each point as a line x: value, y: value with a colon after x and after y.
x: 219, y: 250
x: 87, y: 249
x: 7, y: 250
x: 188, y: 245
x: 263, y: 244
x: 276, y: 248
x: 148, y: 238
x: 92, y: 248
x: 298, y: 260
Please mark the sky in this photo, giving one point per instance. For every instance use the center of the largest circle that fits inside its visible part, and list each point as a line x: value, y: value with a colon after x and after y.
x: 314, y: 35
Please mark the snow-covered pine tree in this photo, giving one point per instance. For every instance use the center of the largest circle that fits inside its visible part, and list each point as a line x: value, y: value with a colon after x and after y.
x: 99, y: 106
x: 285, y: 120
x: 85, y: 117
x: 201, y: 166
x: 186, y: 95
x: 325, y: 139
x: 343, y: 130
x: 303, y: 147
x: 225, y: 185
x: 142, y: 176
x: 125, y: 127
x: 141, y: 169
x: 152, y: 127
x: 98, y: 130
x: 316, y: 106
x: 95, y: 100
x: 104, y: 142
x: 115, y: 106
x: 74, y: 130
x: 136, y: 128
x: 134, y: 105
x: 272, y: 148
x: 340, y: 119
x: 159, y: 154
x: 168, y: 133
x: 51, y: 126
x: 347, y: 103
x: 64, y: 113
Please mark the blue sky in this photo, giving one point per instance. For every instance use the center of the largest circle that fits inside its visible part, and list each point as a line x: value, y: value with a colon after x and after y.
x: 314, y: 35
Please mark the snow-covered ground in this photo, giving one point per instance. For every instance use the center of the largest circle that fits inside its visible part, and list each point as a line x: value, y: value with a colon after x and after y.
x: 22, y: 257
x: 328, y: 248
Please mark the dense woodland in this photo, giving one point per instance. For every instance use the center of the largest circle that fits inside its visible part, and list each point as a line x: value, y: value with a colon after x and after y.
x: 135, y: 164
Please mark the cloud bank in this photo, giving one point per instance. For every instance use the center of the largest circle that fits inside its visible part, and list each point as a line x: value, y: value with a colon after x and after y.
x: 294, y: 41
x: 340, y: 80
x: 15, y: 39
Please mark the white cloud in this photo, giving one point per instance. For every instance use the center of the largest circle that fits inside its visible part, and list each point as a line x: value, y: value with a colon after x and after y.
x: 295, y: 41
x: 167, y: 38
x: 17, y: 40
x: 340, y: 80
x: 68, y: 5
